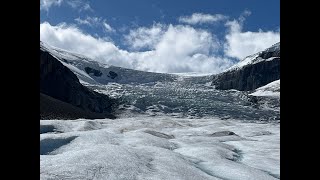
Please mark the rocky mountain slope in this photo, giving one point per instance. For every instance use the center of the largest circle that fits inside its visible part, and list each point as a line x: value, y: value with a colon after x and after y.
x: 253, y: 72
x: 90, y: 71
x: 59, y: 82
x: 51, y: 108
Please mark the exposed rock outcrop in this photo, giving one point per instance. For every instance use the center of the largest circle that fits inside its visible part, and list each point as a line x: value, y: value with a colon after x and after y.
x: 58, y: 82
x: 95, y: 72
x: 262, y: 70
x: 112, y: 74
x: 51, y: 108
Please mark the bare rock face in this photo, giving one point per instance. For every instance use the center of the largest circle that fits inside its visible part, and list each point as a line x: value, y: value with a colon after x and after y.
x: 58, y: 82
x: 112, y: 74
x: 95, y: 72
x: 51, y: 108
x: 253, y: 75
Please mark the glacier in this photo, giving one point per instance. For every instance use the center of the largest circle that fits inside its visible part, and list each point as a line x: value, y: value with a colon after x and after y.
x: 166, y: 129
x: 125, y: 149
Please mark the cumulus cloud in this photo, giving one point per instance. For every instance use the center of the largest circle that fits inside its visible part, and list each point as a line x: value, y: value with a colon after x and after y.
x: 180, y: 49
x: 145, y: 37
x: 199, y: 18
x: 240, y: 44
x: 95, y: 22
x: 184, y: 49
x: 46, y: 4
x: 70, y: 37
x: 163, y: 47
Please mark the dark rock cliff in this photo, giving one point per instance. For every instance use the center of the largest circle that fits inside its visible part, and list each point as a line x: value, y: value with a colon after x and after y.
x: 253, y: 75
x: 51, y: 108
x: 60, y: 83
x: 93, y: 71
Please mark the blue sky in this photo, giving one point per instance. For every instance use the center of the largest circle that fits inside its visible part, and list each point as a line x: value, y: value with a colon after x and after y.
x: 175, y: 36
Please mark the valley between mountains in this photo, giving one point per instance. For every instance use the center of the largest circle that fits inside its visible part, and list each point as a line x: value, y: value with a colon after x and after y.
x: 99, y: 121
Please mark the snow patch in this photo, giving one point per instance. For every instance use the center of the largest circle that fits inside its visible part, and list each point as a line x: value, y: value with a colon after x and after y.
x: 271, y: 90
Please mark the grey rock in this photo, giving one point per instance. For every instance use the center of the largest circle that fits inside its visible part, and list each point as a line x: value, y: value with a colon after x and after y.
x: 95, y: 72
x: 112, y: 74
x: 251, y: 76
x: 58, y: 82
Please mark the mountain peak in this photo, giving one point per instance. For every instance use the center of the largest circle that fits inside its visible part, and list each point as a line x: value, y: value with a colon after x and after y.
x: 252, y: 72
x: 271, y: 52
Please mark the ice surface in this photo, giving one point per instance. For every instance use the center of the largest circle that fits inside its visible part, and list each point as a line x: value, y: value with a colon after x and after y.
x: 159, y: 94
x: 169, y: 128
x: 125, y: 149
x: 270, y: 90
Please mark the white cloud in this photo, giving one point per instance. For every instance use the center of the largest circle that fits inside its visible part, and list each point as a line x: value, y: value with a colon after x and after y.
x: 81, y: 5
x: 144, y: 37
x: 87, y: 7
x: 90, y: 21
x: 240, y: 44
x: 243, y: 15
x: 46, y: 4
x: 107, y: 27
x: 71, y: 38
x: 163, y: 47
x: 184, y: 49
x: 199, y: 18
x: 95, y: 22
x: 180, y: 49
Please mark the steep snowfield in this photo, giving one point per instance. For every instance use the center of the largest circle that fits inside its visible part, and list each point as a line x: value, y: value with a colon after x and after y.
x: 253, y: 59
x: 270, y: 90
x: 77, y: 63
x: 246, y: 61
x: 158, y: 148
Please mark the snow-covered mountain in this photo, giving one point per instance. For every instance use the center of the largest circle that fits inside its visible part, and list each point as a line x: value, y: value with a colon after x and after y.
x: 93, y: 72
x: 63, y: 96
x: 158, y: 94
x: 252, y: 72
x: 168, y: 126
x: 267, y: 55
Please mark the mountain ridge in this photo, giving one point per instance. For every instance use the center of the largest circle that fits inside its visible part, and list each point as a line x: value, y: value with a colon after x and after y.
x: 59, y: 82
x: 252, y: 72
x: 150, y: 93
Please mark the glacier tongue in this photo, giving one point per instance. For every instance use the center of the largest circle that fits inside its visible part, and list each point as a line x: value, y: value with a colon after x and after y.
x: 139, y: 148
x: 177, y: 95
x: 186, y: 98
x: 170, y: 126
